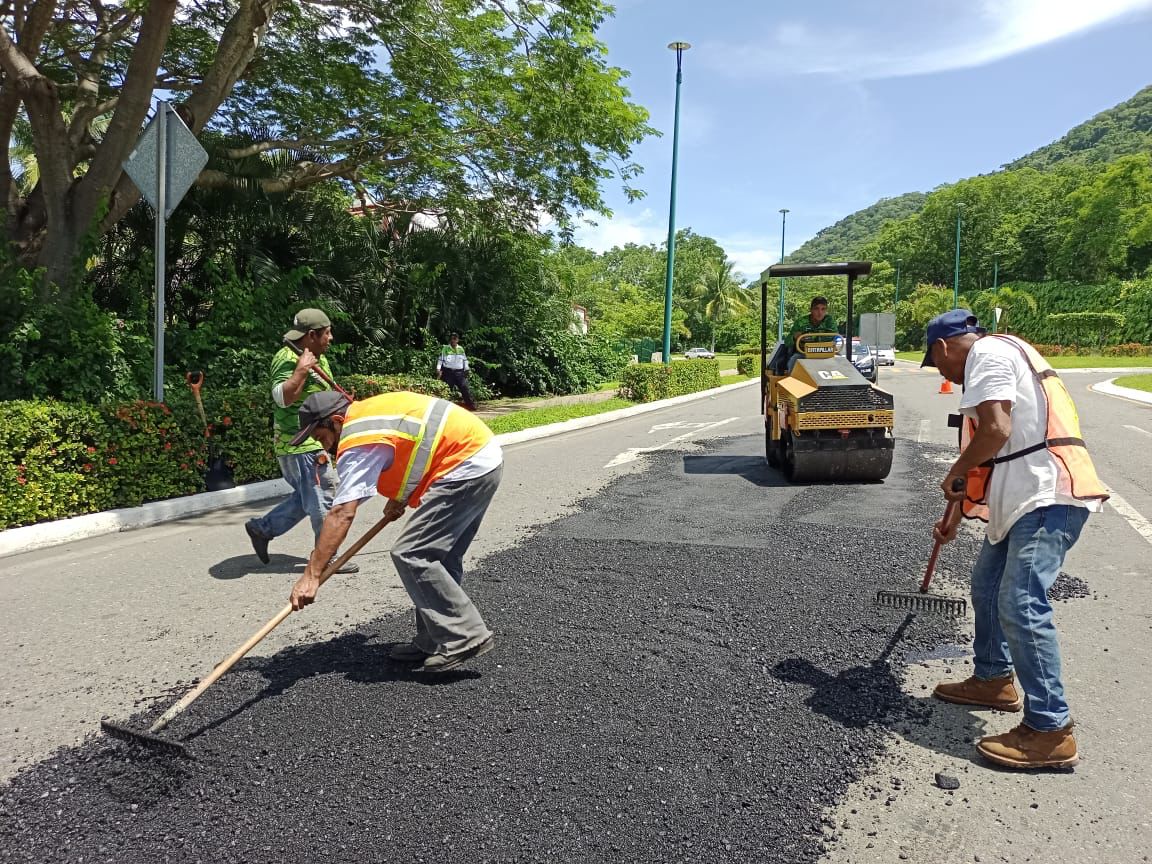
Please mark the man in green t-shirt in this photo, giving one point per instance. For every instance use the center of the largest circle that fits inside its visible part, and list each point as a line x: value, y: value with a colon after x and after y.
x: 306, y: 466
x: 816, y: 321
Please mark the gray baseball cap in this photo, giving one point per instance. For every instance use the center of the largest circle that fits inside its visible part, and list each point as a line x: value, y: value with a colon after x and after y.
x: 317, y: 408
x: 305, y: 321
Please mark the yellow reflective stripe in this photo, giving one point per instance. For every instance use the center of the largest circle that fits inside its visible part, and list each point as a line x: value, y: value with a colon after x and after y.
x: 401, y: 423
x: 425, y: 447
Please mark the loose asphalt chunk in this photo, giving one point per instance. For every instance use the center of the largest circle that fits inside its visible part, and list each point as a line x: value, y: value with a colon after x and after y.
x: 688, y: 669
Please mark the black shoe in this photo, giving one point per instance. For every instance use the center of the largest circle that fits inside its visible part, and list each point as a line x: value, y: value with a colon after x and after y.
x: 436, y: 663
x: 259, y: 541
x: 350, y: 567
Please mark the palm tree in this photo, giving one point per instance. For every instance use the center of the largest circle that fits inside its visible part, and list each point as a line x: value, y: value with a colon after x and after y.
x: 719, y: 295
x: 1007, y: 298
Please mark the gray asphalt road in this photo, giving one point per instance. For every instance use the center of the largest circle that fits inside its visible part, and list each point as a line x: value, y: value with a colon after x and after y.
x: 92, y: 628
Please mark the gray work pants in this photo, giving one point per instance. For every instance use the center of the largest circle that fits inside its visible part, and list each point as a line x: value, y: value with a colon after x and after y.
x: 429, y: 556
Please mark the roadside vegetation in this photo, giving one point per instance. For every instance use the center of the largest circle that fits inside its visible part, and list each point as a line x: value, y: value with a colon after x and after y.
x: 1136, y: 382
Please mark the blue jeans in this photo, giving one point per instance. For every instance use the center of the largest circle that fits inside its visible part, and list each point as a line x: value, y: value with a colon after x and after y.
x: 1014, y: 624
x: 312, y: 487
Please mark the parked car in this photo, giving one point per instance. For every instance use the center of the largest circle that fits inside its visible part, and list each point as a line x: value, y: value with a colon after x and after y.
x: 885, y: 356
x: 863, y: 359
x: 699, y: 353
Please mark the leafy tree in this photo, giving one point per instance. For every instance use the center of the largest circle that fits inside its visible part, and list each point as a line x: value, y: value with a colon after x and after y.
x: 439, y: 105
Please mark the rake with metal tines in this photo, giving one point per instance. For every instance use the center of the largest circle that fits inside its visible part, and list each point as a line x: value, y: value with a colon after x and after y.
x: 935, y: 604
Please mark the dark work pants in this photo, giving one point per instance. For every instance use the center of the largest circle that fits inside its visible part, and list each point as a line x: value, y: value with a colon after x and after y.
x: 459, y: 379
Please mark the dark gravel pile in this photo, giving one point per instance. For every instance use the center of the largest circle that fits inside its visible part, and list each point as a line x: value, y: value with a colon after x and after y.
x: 677, y: 678
x: 1068, y: 587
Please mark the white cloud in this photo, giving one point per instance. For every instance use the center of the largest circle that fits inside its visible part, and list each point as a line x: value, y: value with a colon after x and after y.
x: 959, y: 36
x: 622, y: 229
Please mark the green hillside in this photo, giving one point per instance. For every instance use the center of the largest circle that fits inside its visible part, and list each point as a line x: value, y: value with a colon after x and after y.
x: 1125, y: 129
x: 843, y: 241
x: 1120, y: 131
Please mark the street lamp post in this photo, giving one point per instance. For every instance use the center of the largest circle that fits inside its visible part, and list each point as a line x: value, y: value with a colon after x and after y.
x: 956, y: 268
x: 899, y: 261
x: 783, y: 281
x: 679, y: 48
x: 995, y: 271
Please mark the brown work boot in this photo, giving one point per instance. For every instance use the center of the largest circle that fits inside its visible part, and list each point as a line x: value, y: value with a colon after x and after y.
x: 998, y: 694
x: 1024, y: 747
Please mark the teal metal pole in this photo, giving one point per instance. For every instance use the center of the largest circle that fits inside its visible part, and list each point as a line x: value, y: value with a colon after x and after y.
x: 783, y: 281
x: 995, y: 271
x: 679, y: 48
x: 956, y: 268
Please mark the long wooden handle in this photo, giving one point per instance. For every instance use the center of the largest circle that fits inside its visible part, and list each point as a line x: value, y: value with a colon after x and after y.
x: 957, y: 485
x: 320, y: 373
x: 169, y: 715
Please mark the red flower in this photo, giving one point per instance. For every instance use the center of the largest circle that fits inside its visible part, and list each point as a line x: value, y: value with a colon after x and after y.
x: 112, y: 461
x: 21, y: 480
x: 167, y: 445
x: 183, y: 466
x: 91, y: 449
x: 87, y: 466
x: 227, y: 421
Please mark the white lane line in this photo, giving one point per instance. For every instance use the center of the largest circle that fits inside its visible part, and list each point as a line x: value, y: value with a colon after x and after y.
x: 1141, y: 525
x: 925, y: 428
x: 1138, y: 429
x: 634, y: 453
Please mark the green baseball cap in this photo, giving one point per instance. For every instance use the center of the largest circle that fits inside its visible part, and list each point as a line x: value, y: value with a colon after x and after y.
x: 305, y: 321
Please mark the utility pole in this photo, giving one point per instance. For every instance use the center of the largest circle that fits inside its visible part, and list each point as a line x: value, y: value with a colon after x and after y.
x: 679, y: 48
x: 783, y: 281
x: 956, y: 268
x: 899, y: 261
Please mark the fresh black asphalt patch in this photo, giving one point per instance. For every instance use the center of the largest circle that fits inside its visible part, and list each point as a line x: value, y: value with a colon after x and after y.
x: 688, y: 669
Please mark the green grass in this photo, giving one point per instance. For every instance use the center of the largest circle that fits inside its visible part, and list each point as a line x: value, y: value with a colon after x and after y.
x: 533, y: 417
x: 727, y: 361
x: 1095, y: 361
x: 1098, y: 361
x: 1136, y: 382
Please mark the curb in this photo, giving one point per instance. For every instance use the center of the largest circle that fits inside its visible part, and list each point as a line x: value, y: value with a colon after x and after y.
x: 29, y: 538
x: 1110, y: 389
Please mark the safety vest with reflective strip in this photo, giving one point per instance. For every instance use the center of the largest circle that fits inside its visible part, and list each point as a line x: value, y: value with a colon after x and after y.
x: 430, y: 438
x: 1075, y: 473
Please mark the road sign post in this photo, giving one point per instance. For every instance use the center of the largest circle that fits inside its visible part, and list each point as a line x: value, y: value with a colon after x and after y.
x: 164, y: 165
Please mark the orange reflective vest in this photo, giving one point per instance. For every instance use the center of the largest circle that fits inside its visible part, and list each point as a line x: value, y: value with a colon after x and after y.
x: 1075, y: 473
x: 430, y: 438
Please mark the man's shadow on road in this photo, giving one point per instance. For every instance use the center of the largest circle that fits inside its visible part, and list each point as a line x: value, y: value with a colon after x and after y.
x: 871, y: 695
x: 239, y: 566
x: 355, y: 656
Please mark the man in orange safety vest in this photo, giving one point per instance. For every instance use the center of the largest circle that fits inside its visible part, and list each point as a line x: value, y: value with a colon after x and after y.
x: 427, y: 454
x: 1025, y: 470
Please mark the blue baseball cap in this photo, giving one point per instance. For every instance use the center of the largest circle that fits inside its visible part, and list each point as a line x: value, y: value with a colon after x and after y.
x: 955, y: 322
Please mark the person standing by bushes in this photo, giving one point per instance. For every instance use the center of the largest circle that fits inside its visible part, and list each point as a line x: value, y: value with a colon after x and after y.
x: 452, y: 369
x: 305, y: 465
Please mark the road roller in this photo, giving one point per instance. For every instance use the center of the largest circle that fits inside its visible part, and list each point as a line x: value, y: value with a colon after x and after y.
x: 823, y: 420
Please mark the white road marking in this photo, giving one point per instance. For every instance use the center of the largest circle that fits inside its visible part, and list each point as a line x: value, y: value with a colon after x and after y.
x: 679, y: 424
x: 634, y: 453
x: 925, y: 427
x: 1138, y: 429
x: 1141, y: 525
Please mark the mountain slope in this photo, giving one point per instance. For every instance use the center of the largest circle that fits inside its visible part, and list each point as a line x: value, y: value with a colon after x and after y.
x: 1119, y: 131
x: 842, y: 241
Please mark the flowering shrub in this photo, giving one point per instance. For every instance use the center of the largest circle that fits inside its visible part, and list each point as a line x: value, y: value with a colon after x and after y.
x: 52, y: 462
x: 61, y: 459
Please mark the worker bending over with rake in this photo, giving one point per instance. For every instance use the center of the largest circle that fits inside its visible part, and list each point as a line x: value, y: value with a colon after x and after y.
x: 424, y: 453
x: 1026, y: 472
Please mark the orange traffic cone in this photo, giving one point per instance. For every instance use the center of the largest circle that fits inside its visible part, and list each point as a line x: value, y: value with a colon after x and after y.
x: 945, y: 386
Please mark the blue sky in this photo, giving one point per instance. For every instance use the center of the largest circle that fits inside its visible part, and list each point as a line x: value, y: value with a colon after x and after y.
x: 825, y: 106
